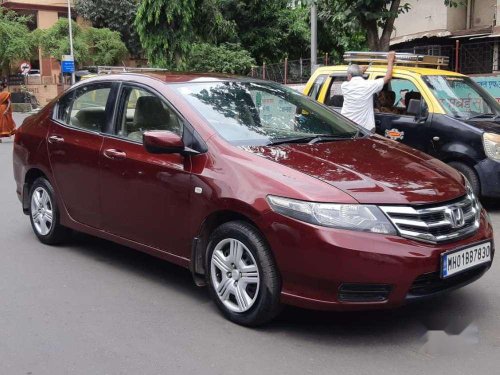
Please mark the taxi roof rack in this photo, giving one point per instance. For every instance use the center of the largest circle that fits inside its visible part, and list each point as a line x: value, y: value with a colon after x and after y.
x: 102, y: 69
x: 408, y: 59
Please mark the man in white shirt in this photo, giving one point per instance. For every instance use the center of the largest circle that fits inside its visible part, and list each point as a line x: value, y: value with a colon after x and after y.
x: 358, y: 93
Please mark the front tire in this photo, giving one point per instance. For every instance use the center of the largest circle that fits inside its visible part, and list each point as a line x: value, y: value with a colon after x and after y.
x: 469, y: 174
x: 44, y: 213
x: 242, y: 276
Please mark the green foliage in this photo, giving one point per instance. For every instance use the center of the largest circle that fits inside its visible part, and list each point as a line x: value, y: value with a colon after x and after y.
x: 225, y: 58
x: 55, y: 41
x: 374, y: 18
x: 270, y: 30
x: 168, y: 28
x: 91, y: 46
x: 16, y: 42
x: 117, y: 15
x: 105, y: 46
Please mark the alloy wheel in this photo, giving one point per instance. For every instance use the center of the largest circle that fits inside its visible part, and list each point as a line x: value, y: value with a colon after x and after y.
x: 234, y: 275
x: 42, y: 211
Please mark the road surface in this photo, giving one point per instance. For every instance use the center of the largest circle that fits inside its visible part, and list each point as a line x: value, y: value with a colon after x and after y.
x: 93, y: 307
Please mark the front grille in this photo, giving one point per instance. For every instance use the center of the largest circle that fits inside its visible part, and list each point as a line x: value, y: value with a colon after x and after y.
x: 430, y: 283
x: 364, y: 292
x: 437, y: 223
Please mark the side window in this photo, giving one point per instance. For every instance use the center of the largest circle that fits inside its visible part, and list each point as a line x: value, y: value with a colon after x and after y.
x: 396, y: 96
x: 85, y: 108
x: 316, y: 87
x: 143, y: 111
x: 64, y: 108
x: 334, y: 97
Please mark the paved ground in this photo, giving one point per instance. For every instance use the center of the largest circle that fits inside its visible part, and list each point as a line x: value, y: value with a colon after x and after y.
x: 92, y: 307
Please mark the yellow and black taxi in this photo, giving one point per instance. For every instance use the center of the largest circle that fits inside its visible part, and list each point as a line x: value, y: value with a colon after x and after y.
x: 442, y: 113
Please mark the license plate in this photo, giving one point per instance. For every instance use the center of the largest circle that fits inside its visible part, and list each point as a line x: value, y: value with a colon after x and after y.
x: 457, y: 261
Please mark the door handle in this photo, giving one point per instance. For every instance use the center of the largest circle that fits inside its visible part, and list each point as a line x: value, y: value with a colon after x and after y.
x: 55, y: 139
x: 435, y: 139
x: 111, y: 153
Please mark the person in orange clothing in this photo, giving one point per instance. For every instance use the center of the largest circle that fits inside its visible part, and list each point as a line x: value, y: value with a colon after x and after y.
x: 7, y: 124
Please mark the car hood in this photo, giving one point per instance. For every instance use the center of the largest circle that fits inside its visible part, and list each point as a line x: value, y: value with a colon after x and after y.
x: 371, y: 170
x: 485, y: 125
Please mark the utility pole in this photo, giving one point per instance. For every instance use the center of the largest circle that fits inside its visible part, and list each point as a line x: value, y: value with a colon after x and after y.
x: 71, y: 52
x: 314, y: 35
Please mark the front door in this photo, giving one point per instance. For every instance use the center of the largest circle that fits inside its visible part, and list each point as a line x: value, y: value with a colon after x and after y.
x: 392, y: 119
x: 145, y: 197
x: 74, y: 144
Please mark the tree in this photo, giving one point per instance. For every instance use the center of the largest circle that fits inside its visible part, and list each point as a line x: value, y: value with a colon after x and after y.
x: 91, y: 46
x: 16, y: 42
x: 225, y: 58
x: 168, y: 28
x: 105, y: 46
x: 116, y: 15
x: 375, y: 17
x: 270, y: 30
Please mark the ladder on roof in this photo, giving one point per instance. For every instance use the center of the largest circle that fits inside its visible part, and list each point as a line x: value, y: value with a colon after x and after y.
x: 407, y: 59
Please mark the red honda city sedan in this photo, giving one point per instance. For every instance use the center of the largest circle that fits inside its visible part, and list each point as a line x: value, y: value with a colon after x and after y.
x: 265, y: 195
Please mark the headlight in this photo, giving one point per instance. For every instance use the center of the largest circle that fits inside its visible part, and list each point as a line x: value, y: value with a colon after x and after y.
x: 475, y: 201
x: 491, y: 142
x: 364, y: 218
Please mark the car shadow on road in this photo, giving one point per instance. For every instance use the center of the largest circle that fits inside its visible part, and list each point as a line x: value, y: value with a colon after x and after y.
x: 451, y: 313
x: 129, y: 260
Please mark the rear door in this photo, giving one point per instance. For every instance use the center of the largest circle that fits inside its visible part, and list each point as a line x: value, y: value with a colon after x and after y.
x: 145, y: 197
x: 74, y: 143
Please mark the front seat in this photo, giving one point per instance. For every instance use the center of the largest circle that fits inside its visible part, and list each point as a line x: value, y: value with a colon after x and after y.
x: 150, y: 114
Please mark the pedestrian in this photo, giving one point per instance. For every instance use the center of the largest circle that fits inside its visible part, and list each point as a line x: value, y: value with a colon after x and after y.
x: 7, y: 125
x: 358, y: 93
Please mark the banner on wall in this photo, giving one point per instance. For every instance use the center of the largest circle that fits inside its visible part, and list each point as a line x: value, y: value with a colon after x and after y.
x: 490, y: 84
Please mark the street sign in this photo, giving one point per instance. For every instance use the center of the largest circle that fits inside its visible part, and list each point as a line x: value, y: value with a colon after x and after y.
x: 67, y: 64
x: 25, y: 68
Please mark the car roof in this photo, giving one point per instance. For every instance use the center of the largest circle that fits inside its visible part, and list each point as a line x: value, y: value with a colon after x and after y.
x: 171, y: 77
x: 397, y: 69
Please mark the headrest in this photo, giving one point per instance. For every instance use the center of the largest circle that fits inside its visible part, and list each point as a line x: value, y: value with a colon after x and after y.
x: 387, y: 98
x: 150, y: 113
x: 91, y: 118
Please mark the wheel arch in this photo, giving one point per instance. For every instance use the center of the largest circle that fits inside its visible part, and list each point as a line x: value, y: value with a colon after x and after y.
x: 30, y: 177
x: 200, y: 242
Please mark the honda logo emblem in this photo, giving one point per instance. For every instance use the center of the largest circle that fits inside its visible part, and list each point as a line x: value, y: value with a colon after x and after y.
x: 455, y: 216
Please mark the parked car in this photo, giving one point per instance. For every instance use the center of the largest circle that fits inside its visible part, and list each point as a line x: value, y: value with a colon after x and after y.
x: 34, y: 73
x: 265, y: 195
x: 443, y: 113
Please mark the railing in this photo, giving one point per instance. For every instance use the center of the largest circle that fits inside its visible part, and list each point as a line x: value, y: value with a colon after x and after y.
x: 288, y: 71
x: 473, y: 57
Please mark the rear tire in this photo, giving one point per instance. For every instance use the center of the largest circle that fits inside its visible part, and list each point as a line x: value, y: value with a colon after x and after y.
x: 469, y: 174
x: 241, y: 274
x: 44, y: 213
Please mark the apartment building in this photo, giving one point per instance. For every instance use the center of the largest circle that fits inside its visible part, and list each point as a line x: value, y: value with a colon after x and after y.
x: 468, y: 34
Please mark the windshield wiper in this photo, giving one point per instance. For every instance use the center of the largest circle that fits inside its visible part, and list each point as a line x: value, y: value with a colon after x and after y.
x: 482, y: 115
x: 328, y: 138
x: 312, y: 139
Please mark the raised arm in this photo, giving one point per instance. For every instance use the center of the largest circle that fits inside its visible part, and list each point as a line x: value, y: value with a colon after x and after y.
x: 391, y: 56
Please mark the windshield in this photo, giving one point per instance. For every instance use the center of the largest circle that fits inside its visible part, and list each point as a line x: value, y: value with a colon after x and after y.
x: 263, y: 113
x: 461, y: 97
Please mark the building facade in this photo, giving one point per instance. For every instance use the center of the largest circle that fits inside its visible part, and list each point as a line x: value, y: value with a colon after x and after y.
x: 44, y: 14
x: 468, y: 34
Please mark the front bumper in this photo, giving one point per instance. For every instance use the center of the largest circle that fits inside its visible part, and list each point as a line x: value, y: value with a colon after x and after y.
x: 489, y: 175
x: 316, y: 264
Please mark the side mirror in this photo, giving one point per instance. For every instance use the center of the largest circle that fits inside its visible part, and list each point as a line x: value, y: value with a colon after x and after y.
x: 414, y: 107
x: 163, y: 142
